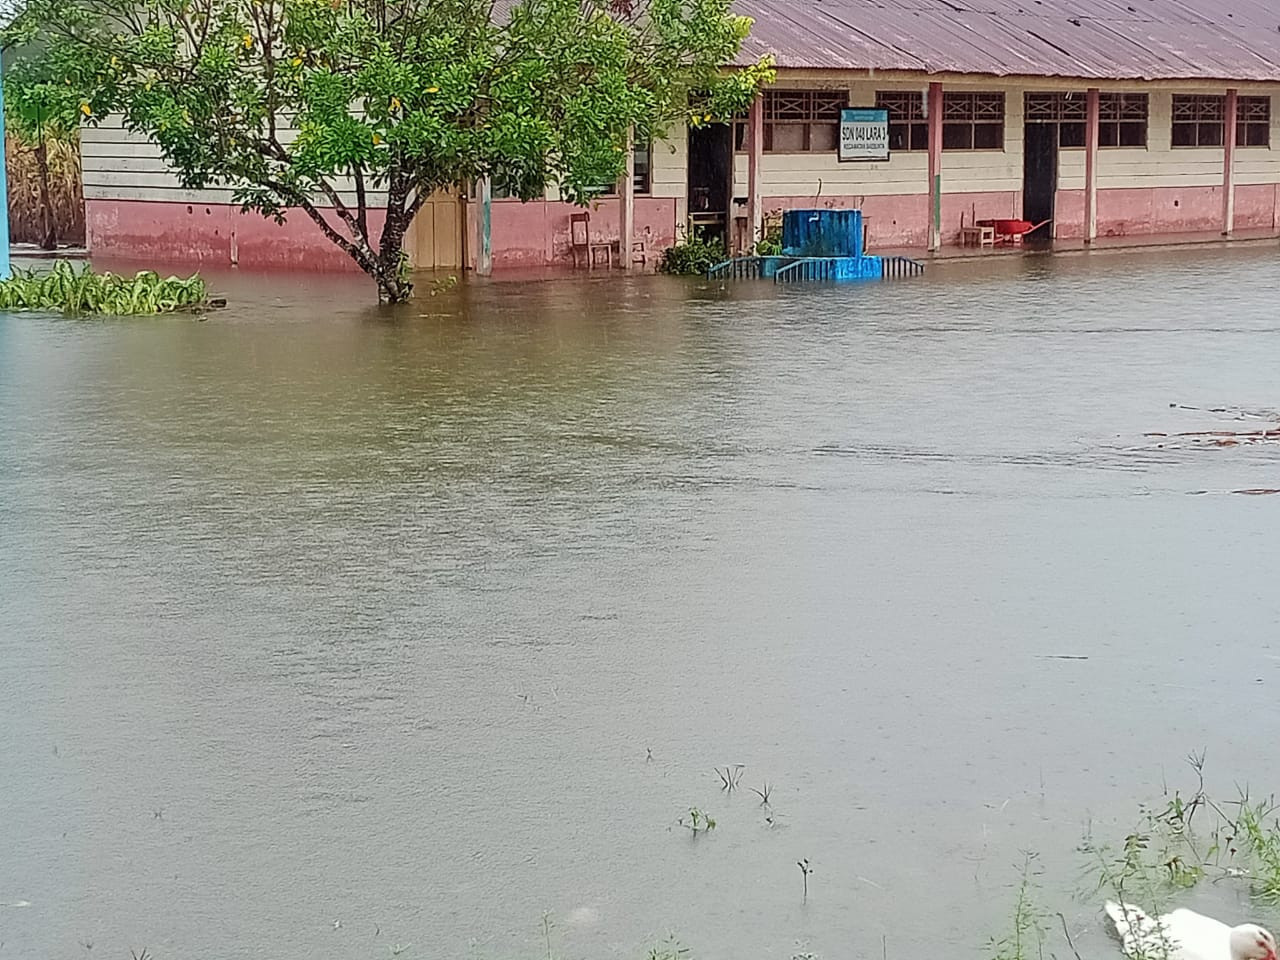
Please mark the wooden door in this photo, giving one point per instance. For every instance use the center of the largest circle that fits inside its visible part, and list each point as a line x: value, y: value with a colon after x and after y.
x: 435, y: 236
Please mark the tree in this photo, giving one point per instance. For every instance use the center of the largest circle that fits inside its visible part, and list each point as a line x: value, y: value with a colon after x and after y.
x: 40, y: 107
x: 364, y: 105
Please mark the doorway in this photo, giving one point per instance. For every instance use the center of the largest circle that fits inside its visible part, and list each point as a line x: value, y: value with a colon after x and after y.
x: 710, y: 179
x: 434, y: 239
x: 1039, y: 176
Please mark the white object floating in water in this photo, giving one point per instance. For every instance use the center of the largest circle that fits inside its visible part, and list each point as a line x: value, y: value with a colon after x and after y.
x: 17, y: 904
x: 1188, y: 935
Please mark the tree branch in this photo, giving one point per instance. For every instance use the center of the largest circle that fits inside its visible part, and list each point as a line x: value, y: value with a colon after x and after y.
x: 341, y: 209
x: 361, y: 257
x: 362, y: 206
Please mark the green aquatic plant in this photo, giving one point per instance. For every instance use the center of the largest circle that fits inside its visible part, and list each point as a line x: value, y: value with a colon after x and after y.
x: 693, y: 256
x: 669, y: 949
x: 1025, y: 937
x: 546, y: 931
x: 805, y: 870
x: 1259, y: 831
x: 770, y: 245
x: 82, y: 291
x: 730, y: 777
x: 698, y: 821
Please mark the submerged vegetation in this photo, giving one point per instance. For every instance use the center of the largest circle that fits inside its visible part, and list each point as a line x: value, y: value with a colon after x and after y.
x: 1024, y: 940
x: 693, y: 256
x: 82, y: 291
x: 1175, y: 846
x: 698, y: 821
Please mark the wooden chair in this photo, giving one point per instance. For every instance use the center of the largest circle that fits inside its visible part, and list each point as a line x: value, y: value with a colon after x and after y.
x: 607, y: 247
x: 975, y: 234
x: 640, y: 249
x: 580, y: 236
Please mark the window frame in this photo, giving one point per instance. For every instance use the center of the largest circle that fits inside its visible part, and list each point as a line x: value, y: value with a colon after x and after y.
x: 1200, y: 111
x: 808, y: 108
x: 908, y: 124
x: 1112, y: 115
x: 965, y: 110
x: 1070, y: 112
x: 1259, y: 120
x: 642, y: 181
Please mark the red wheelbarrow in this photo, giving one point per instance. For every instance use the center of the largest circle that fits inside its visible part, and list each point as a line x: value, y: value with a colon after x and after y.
x: 1012, y: 231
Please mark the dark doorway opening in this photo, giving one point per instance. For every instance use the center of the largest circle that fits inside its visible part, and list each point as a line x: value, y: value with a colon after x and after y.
x: 1039, y: 176
x: 710, y: 179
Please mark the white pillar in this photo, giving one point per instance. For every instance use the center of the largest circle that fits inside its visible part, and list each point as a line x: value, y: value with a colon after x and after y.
x: 627, y: 204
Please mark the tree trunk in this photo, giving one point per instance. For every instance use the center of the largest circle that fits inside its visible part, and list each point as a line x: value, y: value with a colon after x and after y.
x: 391, y: 288
x: 49, y: 229
x: 393, y: 282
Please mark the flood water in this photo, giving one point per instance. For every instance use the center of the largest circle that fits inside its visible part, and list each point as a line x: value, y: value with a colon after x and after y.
x: 328, y: 631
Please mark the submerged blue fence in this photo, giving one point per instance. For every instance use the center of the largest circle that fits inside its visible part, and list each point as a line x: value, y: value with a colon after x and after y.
x: 819, y: 245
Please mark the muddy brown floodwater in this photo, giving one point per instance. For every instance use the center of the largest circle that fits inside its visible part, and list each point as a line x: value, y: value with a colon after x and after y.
x: 325, y: 630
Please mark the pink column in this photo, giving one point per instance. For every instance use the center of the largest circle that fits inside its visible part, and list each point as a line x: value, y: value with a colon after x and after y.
x: 1229, y: 164
x: 935, y: 166
x: 1092, y: 100
x: 755, y: 154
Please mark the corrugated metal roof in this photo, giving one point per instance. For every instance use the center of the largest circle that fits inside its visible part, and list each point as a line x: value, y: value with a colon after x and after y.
x: 1087, y: 39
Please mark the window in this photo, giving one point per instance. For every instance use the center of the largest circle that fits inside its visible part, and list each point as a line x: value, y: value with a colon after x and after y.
x: 1197, y: 120
x: 1253, y: 122
x: 642, y: 178
x: 803, y: 121
x: 1122, y: 120
x: 1122, y: 117
x: 973, y: 121
x: 1068, y: 110
x: 908, y: 128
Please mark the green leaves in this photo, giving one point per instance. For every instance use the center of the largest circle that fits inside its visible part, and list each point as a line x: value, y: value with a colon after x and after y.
x: 84, y: 292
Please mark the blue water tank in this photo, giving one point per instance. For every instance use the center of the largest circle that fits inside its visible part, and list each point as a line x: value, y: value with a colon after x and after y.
x: 822, y: 233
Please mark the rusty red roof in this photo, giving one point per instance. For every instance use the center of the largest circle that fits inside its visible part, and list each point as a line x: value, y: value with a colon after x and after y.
x: 1086, y: 39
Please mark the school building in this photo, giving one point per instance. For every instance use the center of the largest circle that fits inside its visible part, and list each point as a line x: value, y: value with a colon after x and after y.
x: 1098, y: 118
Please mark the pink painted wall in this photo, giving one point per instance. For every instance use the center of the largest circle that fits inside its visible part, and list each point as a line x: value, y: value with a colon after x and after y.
x: 1256, y: 205
x: 536, y: 234
x: 208, y: 233
x: 1155, y: 210
x: 903, y: 220
x: 524, y: 234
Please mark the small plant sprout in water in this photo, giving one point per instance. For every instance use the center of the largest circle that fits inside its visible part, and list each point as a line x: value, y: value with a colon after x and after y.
x: 764, y: 794
x: 546, y: 931
x: 1025, y: 938
x: 698, y: 821
x: 729, y: 777
x: 805, y: 869
x: 669, y: 949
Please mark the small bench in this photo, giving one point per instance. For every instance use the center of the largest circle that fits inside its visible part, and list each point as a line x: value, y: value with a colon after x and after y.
x: 976, y: 234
